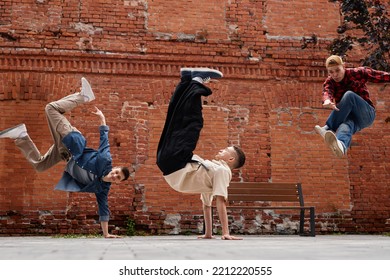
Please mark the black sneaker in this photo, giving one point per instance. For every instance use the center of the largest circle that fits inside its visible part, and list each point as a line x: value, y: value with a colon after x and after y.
x: 185, y: 72
x: 203, y: 73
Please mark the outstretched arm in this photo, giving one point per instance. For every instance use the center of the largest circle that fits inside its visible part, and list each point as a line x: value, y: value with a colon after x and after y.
x: 104, y: 213
x: 100, y: 115
x: 222, y: 213
x: 208, y: 234
x: 329, y: 104
x: 327, y: 95
x: 104, y: 225
x: 104, y: 145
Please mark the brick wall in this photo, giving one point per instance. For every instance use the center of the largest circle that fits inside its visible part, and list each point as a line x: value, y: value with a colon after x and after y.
x: 131, y: 52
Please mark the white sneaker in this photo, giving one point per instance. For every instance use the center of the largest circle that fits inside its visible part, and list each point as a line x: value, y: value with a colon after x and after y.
x: 86, y: 90
x: 334, y: 144
x: 320, y: 130
x: 14, y: 132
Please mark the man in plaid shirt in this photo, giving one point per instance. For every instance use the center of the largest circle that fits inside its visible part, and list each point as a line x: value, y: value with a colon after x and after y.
x: 345, y: 91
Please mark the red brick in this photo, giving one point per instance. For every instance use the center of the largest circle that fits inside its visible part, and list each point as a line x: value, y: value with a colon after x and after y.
x: 268, y: 102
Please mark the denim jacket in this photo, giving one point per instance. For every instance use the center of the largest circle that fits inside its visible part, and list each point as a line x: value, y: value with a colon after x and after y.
x: 98, y: 162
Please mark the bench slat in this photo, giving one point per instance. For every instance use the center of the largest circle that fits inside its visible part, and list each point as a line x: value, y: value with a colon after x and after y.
x: 255, y: 197
x: 268, y: 207
x: 263, y: 185
x: 263, y: 191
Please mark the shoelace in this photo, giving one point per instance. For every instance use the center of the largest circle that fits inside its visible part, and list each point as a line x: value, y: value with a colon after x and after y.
x: 206, y: 80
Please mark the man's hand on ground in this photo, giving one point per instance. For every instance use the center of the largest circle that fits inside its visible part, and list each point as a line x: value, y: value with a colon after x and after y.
x: 206, y: 237
x: 112, y: 236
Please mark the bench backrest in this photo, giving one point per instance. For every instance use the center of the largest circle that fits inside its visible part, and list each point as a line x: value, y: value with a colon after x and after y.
x: 283, y: 192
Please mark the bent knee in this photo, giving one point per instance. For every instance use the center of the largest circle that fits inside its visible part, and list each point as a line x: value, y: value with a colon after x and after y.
x: 349, y: 94
x: 49, y: 108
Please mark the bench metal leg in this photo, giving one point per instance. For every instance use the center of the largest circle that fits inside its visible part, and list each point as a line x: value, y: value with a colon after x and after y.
x: 301, y: 221
x: 312, y: 222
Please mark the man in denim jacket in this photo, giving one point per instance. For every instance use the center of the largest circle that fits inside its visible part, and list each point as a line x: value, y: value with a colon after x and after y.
x: 87, y: 170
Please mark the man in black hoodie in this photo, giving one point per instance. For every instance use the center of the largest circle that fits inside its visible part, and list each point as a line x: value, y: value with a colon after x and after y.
x: 184, y: 171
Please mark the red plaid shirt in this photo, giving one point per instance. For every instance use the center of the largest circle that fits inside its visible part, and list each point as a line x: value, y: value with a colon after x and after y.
x: 355, y: 79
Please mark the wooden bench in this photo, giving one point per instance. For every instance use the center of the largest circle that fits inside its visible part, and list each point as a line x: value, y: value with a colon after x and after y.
x: 271, y: 192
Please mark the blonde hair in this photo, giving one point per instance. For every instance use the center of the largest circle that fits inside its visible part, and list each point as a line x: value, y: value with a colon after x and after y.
x: 333, y: 60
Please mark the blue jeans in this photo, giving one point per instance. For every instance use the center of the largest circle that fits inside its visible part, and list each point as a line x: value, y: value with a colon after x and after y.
x: 354, y: 115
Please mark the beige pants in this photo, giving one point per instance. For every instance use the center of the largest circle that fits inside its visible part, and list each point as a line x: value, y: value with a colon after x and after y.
x: 59, y: 127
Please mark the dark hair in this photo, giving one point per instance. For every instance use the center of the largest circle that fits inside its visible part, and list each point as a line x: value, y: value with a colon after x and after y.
x: 240, y: 160
x: 125, y: 171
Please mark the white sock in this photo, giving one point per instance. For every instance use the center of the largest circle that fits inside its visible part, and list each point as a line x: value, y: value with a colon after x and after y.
x: 198, y: 79
x: 325, y: 127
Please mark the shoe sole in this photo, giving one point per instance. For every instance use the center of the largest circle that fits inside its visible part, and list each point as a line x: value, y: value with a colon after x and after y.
x: 186, y: 70
x: 331, y: 140
x: 9, y: 129
x: 85, y: 85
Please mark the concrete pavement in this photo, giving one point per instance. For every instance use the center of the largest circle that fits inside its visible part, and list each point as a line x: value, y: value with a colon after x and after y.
x: 275, y: 247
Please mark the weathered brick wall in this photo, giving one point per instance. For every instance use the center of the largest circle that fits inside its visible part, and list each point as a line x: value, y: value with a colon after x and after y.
x: 131, y: 52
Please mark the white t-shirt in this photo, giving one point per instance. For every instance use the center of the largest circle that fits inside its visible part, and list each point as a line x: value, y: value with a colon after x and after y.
x: 209, y: 178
